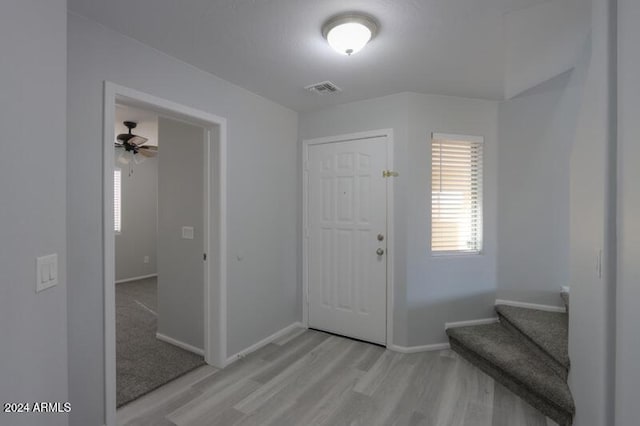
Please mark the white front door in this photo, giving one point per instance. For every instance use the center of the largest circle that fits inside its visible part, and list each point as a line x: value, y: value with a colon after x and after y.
x: 347, y: 215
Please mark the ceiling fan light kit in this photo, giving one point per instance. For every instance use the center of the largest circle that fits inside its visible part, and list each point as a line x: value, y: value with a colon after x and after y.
x: 348, y: 33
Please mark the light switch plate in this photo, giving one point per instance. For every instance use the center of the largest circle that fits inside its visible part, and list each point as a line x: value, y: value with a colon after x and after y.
x: 46, y: 272
x: 187, y: 232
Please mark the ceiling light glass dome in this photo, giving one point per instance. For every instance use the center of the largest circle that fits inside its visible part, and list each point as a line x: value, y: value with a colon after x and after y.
x: 348, y: 34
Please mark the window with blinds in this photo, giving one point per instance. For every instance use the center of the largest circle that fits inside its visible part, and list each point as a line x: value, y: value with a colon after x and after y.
x: 117, y: 200
x: 456, y: 194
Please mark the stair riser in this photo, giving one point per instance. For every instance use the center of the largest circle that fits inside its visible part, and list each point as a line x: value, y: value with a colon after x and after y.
x: 557, y: 367
x: 539, y: 402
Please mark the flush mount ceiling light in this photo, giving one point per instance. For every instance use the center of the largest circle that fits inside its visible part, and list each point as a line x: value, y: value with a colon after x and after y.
x: 349, y: 33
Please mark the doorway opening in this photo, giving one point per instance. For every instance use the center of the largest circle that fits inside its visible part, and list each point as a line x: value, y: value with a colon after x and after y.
x: 159, y: 269
x: 190, y: 222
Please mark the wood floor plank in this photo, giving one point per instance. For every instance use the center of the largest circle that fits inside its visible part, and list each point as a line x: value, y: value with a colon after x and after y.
x: 283, y: 340
x: 284, y: 362
x: 376, y: 374
x: 157, y: 416
x: 233, y: 373
x: 374, y: 352
x: 354, y: 410
x: 456, y: 395
x: 323, y: 394
x: 205, y: 409
x: 152, y: 401
x: 390, y: 394
x: 319, y: 402
x: 301, y: 371
x: 408, y: 408
x: 296, y: 391
x: 510, y: 410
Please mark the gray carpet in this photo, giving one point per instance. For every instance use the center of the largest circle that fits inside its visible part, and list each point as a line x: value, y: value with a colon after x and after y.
x: 547, y: 331
x: 144, y: 363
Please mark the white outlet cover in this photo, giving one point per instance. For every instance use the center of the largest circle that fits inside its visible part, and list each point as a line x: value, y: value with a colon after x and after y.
x: 187, y: 232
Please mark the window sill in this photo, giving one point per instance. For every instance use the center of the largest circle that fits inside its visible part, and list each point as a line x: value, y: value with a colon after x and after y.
x: 453, y: 254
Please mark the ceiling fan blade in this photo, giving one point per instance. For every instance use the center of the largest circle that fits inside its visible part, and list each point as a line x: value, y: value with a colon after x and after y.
x: 146, y: 152
x: 149, y: 148
x: 123, y: 137
x: 137, y: 140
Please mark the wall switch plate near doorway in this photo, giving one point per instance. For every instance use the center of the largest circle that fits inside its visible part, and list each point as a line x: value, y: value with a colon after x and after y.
x: 46, y: 272
x: 187, y: 232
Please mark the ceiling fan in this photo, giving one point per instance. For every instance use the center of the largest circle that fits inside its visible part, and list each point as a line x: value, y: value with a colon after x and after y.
x: 133, y: 144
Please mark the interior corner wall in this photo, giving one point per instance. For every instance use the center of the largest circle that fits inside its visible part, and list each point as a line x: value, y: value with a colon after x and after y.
x: 627, y: 409
x: 33, y: 326
x: 592, y: 224
x: 536, y: 131
x: 428, y: 291
x: 262, y: 292
x: 139, y: 221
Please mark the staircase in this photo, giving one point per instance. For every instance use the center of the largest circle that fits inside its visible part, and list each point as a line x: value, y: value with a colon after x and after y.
x: 527, y: 352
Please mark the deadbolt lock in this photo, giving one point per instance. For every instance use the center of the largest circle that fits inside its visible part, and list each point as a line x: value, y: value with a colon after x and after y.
x: 380, y: 237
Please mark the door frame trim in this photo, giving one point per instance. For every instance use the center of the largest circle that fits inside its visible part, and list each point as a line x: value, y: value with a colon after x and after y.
x: 215, y: 278
x: 388, y: 133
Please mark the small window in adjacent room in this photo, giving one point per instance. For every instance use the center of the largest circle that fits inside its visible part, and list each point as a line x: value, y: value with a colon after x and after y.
x: 456, y: 194
x: 117, y: 200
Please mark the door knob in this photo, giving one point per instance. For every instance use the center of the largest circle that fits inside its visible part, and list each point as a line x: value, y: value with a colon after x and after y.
x: 380, y: 252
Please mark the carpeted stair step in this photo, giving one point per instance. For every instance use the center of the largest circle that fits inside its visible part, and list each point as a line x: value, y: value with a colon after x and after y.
x: 503, y: 356
x: 546, y: 333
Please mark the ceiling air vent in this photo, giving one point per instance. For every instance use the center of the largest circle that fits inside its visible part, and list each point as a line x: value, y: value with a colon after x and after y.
x: 324, y: 88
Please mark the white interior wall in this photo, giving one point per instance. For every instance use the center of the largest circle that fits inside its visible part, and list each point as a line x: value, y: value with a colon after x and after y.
x: 447, y: 288
x: 627, y: 410
x: 536, y: 53
x: 263, y: 296
x: 536, y: 131
x: 592, y: 278
x: 428, y: 291
x: 181, y: 203
x: 139, y: 209
x: 33, y: 327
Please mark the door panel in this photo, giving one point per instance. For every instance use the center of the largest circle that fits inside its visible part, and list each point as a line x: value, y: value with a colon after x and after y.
x: 346, y: 213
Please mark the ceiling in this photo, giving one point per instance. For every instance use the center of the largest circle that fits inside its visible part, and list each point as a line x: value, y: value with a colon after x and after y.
x: 492, y: 49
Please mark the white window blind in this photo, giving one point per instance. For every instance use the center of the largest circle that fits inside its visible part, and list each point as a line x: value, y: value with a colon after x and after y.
x: 117, y: 200
x: 456, y: 194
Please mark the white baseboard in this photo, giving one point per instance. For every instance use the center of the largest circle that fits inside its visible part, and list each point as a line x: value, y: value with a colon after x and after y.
x: 481, y: 321
x: 263, y: 342
x: 178, y: 343
x: 414, y: 349
x: 142, y: 277
x: 548, y: 308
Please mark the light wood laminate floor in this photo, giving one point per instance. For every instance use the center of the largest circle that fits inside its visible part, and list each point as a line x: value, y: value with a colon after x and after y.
x: 313, y: 378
